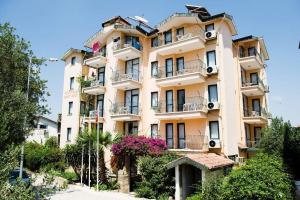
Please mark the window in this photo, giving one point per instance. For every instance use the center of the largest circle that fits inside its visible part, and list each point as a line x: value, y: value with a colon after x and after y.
x: 251, y: 51
x: 169, y: 101
x: 131, y: 127
x: 169, y: 135
x: 181, y: 135
x: 73, y: 60
x: 211, y: 58
x: 82, y: 107
x: 168, y: 36
x: 154, y: 130
x: 209, y: 27
x: 254, y: 78
x: 133, y: 41
x: 256, y: 106
x: 100, y: 104
x: 180, y: 64
x: 154, y: 69
x: 132, y: 69
x: 169, y: 67
x: 70, y: 110
x: 69, y: 132
x: 154, y: 42
x: 213, y: 93
x: 101, y: 75
x: 180, y: 99
x: 132, y: 101
x: 71, y: 83
x: 214, y: 130
x: 179, y: 32
x: 154, y: 99
x: 43, y: 126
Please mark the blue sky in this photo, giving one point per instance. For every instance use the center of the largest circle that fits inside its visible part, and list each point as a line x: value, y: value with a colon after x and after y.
x: 54, y: 26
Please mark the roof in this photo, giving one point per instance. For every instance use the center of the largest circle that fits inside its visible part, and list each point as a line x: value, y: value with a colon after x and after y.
x: 71, y: 51
x: 202, y: 161
x: 47, y: 119
x: 113, y: 20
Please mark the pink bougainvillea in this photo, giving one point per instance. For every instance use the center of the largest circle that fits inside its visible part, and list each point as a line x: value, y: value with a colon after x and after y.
x: 138, y: 146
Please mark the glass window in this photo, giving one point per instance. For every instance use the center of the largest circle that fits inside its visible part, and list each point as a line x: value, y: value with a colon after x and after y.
x: 180, y: 99
x: 168, y: 37
x: 251, y: 51
x: 209, y: 27
x: 131, y: 128
x: 70, y: 110
x: 169, y: 101
x: 180, y: 64
x: 154, y: 69
x: 154, y: 42
x: 69, y: 132
x: 73, y: 60
x: 154, y: 130
x: 169, y: 135
x: 132, y: 69
x: 132, y: 100
x: 43, y: 126
x: 71, y: 83
x: 213, y: 93
x: 100, y: 104
x: 256, y: 105
x: 101, y: 75
x: 82, y: 107
x: 181, y: 135
x: 257, y: 134
x: 214, y: 129
x: 254, y: 78
x: 211, y: 58
x: 180, y: 31
x: 154, y: 99
x: 169, y: 67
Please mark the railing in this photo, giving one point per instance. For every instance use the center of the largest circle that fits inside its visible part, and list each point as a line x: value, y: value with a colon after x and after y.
x: 120, y: 76
x: 122, y: 109
x: 189, y: 67
x: 193, y: 142
x: 191, y: 104
x: 259, y: 82
x: 161, y: 40
x: 101, y: 52
x: 118, y: 46
x: 91, y: 83
x: 256, y: 53
x: 251, y: 112
x: 251, y: 143
x: 94, y: 113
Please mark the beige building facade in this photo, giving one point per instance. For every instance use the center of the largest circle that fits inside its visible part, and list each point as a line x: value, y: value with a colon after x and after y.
x: 186, y: 81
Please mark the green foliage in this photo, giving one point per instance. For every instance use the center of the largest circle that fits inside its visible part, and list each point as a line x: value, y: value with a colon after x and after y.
x: 20, y: 191
x: 110, y: 185
x: 45, y: 157
x: 69, y: 176
x: 156, y: 179
x: 263, y: 177
x: 14, y: 61
x: 52, y: 142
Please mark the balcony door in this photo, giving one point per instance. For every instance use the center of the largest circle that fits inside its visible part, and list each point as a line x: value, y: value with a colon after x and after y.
x: 257, y: 134
x: 132, y: 69
x: 168, y: 36
x: 132, y: 101
x: 100, y: 104
x: 256, y: 105
x: 101, y: 75
x: 180, y: 64
x: 180, y: 99
x: 131, y: 127
x: 133, y: 41
x: 169, y: 67
x: 213, y: 93
x: 251, y: 51
x: 169, y: 101
x: 254, y: 78
x: 169, y: 135
x: 181, y: 135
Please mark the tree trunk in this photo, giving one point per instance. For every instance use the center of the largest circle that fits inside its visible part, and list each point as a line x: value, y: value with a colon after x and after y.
x: 102, y: 170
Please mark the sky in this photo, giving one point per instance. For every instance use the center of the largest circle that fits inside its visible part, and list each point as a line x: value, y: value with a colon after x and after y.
x: 53, y: 26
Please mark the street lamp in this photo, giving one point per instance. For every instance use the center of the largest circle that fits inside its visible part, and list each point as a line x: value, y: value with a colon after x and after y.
x: 27, y: 98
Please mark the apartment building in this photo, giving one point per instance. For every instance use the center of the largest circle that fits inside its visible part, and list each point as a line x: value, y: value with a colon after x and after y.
x: 189, y: 81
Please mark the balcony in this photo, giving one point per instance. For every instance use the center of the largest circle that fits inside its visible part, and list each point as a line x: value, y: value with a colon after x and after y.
x: 92, y: 115
x: 98, y: 60
x: 254, y: 116
x: 126, y: 81
x: 251, y: 61
x: 93, y: 87
x: 183, y: 43
x: 252, y: 143
x: 250, y: 88
x: 192, y: 143
x: 127, y: 51
x: 194, y: 72
x: 121, y: 112
x: 193, y: 108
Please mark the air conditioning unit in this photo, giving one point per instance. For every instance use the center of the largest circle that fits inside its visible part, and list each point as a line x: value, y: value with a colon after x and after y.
x: 213, y: 105
x: 210, y: 35
x: 214, y: 143
x: 211, y: 70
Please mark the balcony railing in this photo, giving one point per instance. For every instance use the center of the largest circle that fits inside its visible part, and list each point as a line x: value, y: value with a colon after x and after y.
x: 119, y: 46
x: 191, y: 104
x: 255, y: 53
x: 251, y: 112
x: 91, y: 83
x: 252, y: 143
x: 118, y: 76
x: 250, y: 83
x: 190, y: 67
x: 94, y: 113
x: 193, y: 142
x: 122, y: 109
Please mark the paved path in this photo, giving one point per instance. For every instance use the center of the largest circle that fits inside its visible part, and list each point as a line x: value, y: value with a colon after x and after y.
x: 75, y: 192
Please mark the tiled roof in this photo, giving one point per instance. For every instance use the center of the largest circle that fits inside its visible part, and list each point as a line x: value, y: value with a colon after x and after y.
x: 203, y: 161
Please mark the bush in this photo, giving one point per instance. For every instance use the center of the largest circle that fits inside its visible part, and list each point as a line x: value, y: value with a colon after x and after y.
x: 20, y: 191
x: 111, y: 185
x: 156, y: 179
x: 263, y: 177
x: 211, y: 189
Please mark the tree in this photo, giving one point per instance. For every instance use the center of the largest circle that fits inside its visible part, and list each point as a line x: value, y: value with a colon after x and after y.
x: 14, y: 61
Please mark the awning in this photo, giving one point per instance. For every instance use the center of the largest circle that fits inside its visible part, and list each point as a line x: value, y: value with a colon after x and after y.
x: 202, y: 161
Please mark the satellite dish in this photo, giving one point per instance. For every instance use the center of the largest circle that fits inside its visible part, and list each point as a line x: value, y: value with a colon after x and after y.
x: 141, y: 19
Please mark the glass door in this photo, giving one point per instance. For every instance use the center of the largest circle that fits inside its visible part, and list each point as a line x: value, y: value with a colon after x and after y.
x: 180, y: 99
x: 169, y: 135
x: 254, y: 78
x: 181, y: 135
x: 132, y: 69
x: 169, y: 67
x: 257, y: 134
x: 180, y: 65
x: 132, y: 101
x: 101, y: 75
x: 256, y: 105
x: 100, y: 104
x: 169, y: 101
x: 213, y: 93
